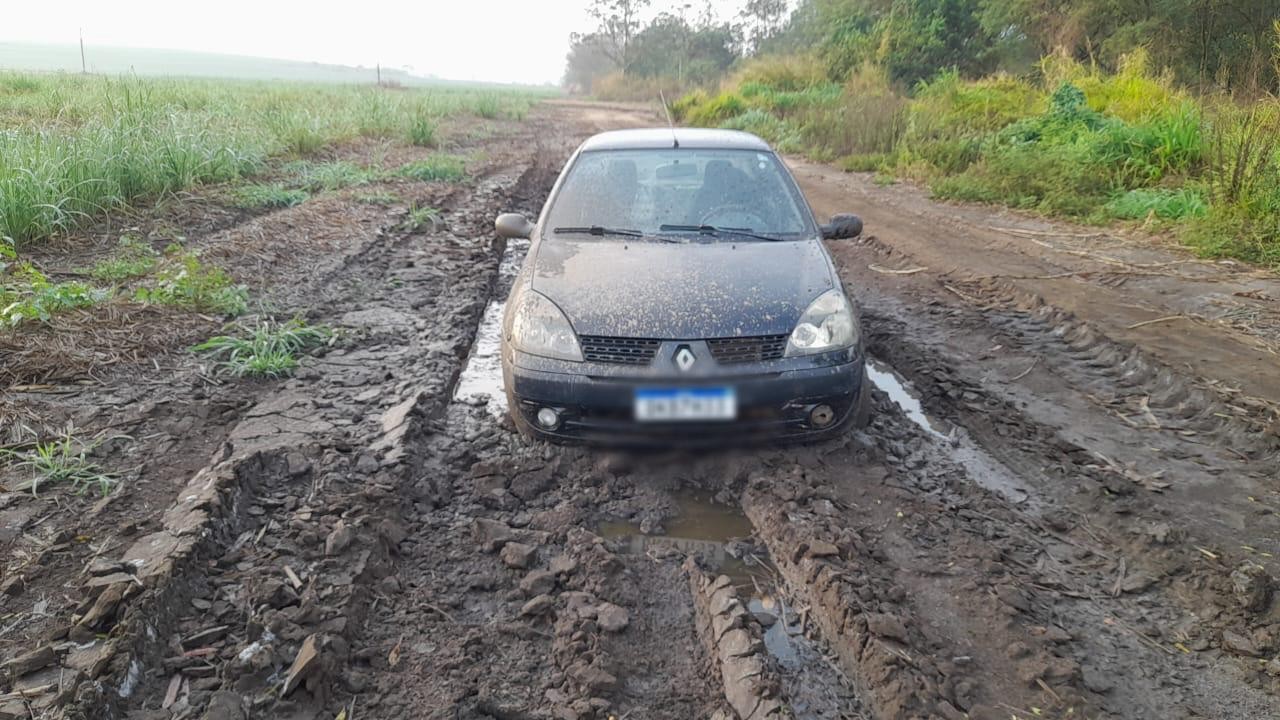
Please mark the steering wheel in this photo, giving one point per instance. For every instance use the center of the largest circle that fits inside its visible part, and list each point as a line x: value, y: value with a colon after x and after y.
x: 737, y: 213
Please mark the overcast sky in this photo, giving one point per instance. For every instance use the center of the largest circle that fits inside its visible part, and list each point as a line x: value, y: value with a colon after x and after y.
x: 499, y: 40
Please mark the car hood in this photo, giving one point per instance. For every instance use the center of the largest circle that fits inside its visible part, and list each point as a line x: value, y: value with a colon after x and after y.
x: 681, y: 291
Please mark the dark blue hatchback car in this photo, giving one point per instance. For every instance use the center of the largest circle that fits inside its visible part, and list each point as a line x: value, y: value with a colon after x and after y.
x: 677, y: 288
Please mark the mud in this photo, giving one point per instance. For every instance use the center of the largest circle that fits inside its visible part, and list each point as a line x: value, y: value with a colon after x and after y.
x: 1051, y: 514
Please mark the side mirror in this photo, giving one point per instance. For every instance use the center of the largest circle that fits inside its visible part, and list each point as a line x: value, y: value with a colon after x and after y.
x: 842, y: 227
x: 513, y: 225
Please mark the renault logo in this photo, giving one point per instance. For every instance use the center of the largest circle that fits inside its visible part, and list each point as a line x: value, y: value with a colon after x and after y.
x: 685, y: 358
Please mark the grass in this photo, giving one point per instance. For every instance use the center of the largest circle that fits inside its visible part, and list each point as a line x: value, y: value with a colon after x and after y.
x: 1165, y: 204
x: 380, y: 197
x: 268, y: 350
x: 73, y: 147
x: 268, y: 196
x: 184, y: 281
x: 333, y: 175
x: 436, y: 168
x: 419, y: 217
x: 1074, y: 142
x: 64, y: 460
x: 422, y: 130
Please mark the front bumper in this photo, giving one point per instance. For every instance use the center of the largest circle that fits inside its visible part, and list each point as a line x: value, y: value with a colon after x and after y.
x: 774, y: 404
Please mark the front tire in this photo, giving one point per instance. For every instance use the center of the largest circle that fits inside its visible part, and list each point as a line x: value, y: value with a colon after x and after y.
x: 517, y: 418
x: 862, y: 411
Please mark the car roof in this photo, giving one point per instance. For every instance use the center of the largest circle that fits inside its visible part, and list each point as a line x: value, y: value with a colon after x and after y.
x: 665, y: 137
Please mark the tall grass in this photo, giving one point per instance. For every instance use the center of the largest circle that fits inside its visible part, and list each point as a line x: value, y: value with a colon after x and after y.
x: 72, y: 147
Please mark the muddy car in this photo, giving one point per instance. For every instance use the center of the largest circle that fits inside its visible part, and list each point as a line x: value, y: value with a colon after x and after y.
x: 677, y: 287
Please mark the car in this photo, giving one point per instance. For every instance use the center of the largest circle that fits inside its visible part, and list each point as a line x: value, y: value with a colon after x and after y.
x: 677, y: 288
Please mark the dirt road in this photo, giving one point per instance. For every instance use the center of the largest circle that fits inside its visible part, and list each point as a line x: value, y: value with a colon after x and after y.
x: 1065, y: 506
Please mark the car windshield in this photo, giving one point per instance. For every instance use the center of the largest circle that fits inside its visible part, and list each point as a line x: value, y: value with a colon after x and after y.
x: 675, y: 191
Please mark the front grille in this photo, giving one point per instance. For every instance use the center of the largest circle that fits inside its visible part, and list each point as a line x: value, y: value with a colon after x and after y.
x: 728, y: 351
x: 623, y: 351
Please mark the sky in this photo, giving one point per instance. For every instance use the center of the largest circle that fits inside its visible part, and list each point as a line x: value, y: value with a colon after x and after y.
x: 522, y: 41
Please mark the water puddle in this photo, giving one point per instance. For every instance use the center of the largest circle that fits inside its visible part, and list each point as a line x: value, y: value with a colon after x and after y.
x: 715, y: 533
x: 481, y: 379
x: 903, y: 395
x: 980, y: 466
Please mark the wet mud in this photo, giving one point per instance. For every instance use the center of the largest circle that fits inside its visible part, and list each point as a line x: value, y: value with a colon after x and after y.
x: 1017, y: 534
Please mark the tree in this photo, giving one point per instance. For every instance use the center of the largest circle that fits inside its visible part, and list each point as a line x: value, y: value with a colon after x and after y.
x: 618, y: 21
x: 764, y: 19
x: 586, y: 62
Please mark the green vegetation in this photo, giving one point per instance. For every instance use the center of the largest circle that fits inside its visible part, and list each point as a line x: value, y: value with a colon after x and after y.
x: 73, y: 147
x: 419, y: 217
x: 272, y: 195
x: 268, y: 350
x: 184, y: 281
x: 29, y: 295
x: 63, y: 460
x: 1077, y: 142
x: 436, y: 168
x: 1154, y: 111
x: 381, y: 197
x: 331, y: 175
x: 422, y: 130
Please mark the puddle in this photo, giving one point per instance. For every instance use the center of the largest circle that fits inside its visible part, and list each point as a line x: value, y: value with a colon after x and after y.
x: 481, y: 380
x: 980, y: 466
x: 904, y: 396
x: 812, y: 686
x: 706, y: 528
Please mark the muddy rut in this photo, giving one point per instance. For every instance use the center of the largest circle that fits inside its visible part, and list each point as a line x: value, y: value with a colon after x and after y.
x: 1047, y: 517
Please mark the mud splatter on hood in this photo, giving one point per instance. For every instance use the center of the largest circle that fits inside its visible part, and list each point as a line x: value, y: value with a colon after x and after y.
x: 683, y: 290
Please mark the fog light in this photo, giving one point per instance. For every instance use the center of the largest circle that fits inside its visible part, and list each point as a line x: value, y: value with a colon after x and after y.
x: 822, y: 416
x: 548, y: 419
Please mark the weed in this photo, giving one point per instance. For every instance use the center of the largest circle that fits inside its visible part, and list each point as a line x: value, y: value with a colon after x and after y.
x: 419, y: 217
x: 64, y: 460
x: 382, y: 197
x: 274, y: 195
x: 1160, y: 203
x: 436, y: 168
x: 488, y: 106
x: 331, y: 175
x: 422, y: 130
x: 186, y: 282
x: 133, y: 258
x: 32, y: 296
x: 269, y: 350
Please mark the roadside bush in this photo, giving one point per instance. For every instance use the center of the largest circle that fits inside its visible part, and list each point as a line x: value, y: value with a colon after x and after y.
x: 785, y: 73
x: 716, y: 110
x: 776, y: 131
x: 1079, y: 142
x: 950, y: 107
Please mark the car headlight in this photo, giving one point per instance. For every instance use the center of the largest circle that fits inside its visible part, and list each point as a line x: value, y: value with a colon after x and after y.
x: 540, y: 328
x: 828, y: 324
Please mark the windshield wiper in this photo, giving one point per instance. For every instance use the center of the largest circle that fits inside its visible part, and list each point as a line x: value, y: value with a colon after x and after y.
x: 716, y: 231
x: 598, y: 230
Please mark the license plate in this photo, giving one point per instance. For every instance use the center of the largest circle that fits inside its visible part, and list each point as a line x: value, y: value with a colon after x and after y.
x: 686, y: 404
